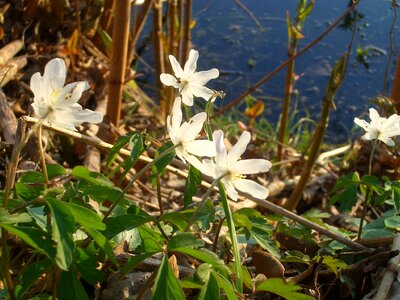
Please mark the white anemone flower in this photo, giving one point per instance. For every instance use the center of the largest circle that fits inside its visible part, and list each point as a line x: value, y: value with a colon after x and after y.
x: 234, y: 169
x: 56, y: 103
x: 189, y: 82
x: 184, y: 135
x: 380, y: 128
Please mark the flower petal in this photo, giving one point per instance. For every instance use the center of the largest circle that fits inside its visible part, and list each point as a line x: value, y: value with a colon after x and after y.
x: 201, y: 148
x: 388, y: 141
x: 36, y: 86
x: 362, y: 123
x: 390, y: 122
x: 202, y: 92
x: 195, y: 162
x: 221, y: 158
x: 191, y: 63
x: 208, y: 168
x: 169, y: 80
x: 238, y: 149
x: 252, y: 166
x: 252, y: 188
x: 230, y: 189
x: 202, y: 77
x: 189, y: 130
x: 176, y: 67
x: 374, y: 116
x: 187, y: 97
x: 176, y: 114
x: 71, y: 93
x: 55, y: 73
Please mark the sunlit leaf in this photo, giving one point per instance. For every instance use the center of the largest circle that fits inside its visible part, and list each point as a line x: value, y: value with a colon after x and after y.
x: 286, y: 290
x: 184, y: 239
x: 192, y: 182
x: 166, y: 286
x: 255, y: 110
x: 85, y: 217
x: 334, y: 264
x: 7, y: 218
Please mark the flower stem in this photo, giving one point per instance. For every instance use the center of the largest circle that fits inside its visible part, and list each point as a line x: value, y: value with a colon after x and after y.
x: 203, y: 199
x: 43, y: 160
x: 368, y: 192
x: 232, y: 235
x: 136, y: 177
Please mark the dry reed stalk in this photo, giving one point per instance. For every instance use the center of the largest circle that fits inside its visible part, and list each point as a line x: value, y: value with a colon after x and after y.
x: 335, y: 80
x: 395, y: 94
x: 159, y: 53
x: 105, y: 23
x: 118, y: 60
x: 136, y: 30
x: 186, y: 33
x: 283, y: 122
x: 178, y: 51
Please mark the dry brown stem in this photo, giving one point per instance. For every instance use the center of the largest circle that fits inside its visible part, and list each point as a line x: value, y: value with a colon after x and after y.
x: 118, y: 60
x: 8, y: 122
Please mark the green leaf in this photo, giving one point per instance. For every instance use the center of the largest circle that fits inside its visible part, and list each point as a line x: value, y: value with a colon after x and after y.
x: 393, y: 223
x: 28, y: 191
x: 226, y: 285
x: 334, y: 264
x: 396, y: 197
x: 134, y: 261
x: 206, y: 215
x: 121, y: 223
x: 63, y: 225
x: 55, y: 170
x: 7, y: 218
x: 370, y: 180
x: 32, y: 177
x: 184, y: 239
x: 82, y: 173
x: 106, y: 39
x: 103, y: 243
x: 178, y: 219
x: 30, y: 274
x: 166, y: 286
x: 203, y: 254
x: 152, y: 241
x: 36, y: 238
x: 286, y: 290
x: 69, y: 287
x: 101, y: 193
x: 161, y: 164
x: 87, y: 264
x: 85, y: 217
x: 192, y: 182
x: 210, y: 290
x: 118, y: 145
x: 347, y: 197
x: 137, y: 146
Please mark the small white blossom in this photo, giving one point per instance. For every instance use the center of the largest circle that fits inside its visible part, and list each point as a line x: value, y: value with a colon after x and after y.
x: 56, y: 103
x: 234, y: 169
x: 380, y: 128
x: 189, y: 82
x: 185, y: 135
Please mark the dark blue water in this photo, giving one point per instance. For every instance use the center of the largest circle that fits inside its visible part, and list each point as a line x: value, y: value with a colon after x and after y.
x: 227, y: 38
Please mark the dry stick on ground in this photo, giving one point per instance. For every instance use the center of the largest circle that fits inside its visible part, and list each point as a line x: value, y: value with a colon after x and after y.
x: 118, y: 59
x: 8, y: 122
x: 10, y: 50
x: 264, y: 203
x: 335, y: 80
x: 9, y: 70
x: 390, y: 272
x: 283, y: 65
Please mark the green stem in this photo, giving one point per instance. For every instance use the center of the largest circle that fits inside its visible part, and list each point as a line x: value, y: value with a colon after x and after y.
x: 232, y: 235
x: 203, y: 199
x: 43, y: 160
x: 136, y: 177
x: 368, y: 192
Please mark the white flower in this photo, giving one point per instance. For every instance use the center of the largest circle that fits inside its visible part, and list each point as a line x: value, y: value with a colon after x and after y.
x: 56, y: 103
x: 184, y: 135
x: 189, y: 82
x: 380, y: 128
x: 234, y: 169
